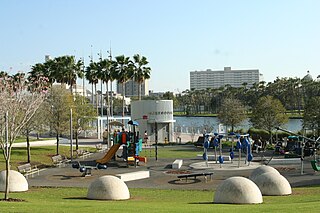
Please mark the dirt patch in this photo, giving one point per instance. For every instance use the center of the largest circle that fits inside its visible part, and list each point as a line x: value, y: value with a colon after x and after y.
x: 286, y: 169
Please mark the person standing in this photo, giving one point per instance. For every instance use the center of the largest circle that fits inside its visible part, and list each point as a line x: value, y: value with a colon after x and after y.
x: 105, y: 136
x: 145, y: 138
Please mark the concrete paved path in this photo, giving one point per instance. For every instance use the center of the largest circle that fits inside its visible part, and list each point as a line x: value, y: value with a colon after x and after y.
x: 162, y: 176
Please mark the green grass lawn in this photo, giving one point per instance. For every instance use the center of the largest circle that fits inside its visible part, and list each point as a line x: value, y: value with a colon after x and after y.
x: 42, y: 155
x: 39, y: 155
x: 174, y: 152
x: 151, y: 200
x: 305, y: 199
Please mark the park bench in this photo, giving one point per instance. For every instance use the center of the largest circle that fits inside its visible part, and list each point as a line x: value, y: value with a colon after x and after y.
x: 100, y: 147
x: 195, y: 175
x: 83, y: 153
x: 59, y: 160
x: 27, y: 169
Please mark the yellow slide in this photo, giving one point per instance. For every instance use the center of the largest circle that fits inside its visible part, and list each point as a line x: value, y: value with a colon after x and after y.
x: 109, y: 154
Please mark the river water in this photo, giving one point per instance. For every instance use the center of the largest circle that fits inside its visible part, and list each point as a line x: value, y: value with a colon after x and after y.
x: 201, y: 123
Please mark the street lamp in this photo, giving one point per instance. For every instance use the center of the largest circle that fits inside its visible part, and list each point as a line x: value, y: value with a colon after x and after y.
x: 71, y: 135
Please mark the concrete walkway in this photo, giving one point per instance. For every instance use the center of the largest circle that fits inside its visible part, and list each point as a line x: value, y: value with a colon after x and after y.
x: 162, y: 176
x: 62, y: 141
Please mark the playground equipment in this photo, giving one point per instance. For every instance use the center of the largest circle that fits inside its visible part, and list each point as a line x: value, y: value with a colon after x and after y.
x: 108, y: 156
x: 220, y: 150
x: 302, y: 148
x: 132, y: 146
x: 206, y: 145
x: 135, y: 144
x: 215, y: 145
x: 239, y: 147
x: 232, y: 135
x: 85, y: 169
x: 244, y: 145
x: 249, y: 156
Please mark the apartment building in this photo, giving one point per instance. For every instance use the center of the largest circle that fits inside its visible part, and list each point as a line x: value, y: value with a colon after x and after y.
x: 132, y: 88
x: 214, y: 79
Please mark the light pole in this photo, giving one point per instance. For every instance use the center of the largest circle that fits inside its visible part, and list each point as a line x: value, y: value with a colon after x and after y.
x: 156, y: 138
x: 71, y: 135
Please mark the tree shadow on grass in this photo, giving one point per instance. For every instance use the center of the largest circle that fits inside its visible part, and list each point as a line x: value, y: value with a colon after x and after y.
x: 76, y: 198
x: 205, y: 203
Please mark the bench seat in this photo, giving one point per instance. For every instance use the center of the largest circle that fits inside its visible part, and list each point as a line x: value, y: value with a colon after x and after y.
x: 195, y: 175
x: 59, y: 160
x: 83, y: 153
x: 27, y: 169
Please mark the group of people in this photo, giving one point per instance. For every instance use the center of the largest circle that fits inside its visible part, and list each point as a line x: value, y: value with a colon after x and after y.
x: 121, y: 137
x: 117, y: 136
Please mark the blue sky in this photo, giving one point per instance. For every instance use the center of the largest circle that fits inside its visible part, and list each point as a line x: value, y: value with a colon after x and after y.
x: 278, y: 37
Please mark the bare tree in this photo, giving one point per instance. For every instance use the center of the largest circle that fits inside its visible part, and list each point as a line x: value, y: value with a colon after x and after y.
x: 19, y: 98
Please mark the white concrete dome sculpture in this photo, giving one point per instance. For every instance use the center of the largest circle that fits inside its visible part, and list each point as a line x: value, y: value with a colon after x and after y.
x: 271, y: 183
x: 17, y: 182
x: 261, y: 170
x: 238, y: 190
x: 108, y: 188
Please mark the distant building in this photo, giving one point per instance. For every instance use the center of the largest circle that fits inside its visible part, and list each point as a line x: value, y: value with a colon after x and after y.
x: 214, y: 79
x: 47, y: 58
x: 308, y: 77
x: 132, y: 88
x: 155, y: 117
x: 156, y: 94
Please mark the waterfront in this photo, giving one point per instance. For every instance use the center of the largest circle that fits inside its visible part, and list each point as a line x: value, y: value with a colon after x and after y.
x: 185, y: 124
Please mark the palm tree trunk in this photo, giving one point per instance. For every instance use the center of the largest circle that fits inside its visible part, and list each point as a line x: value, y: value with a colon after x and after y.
x: 83, y: 90
x: 101, y: 100
x: 108, y: 99
x: 111, y: 102
x: 96, y: 98
x: 108, y: 112
x: 92, y: 99
x: 139, y: 91
x: 97, y: 110
x: 123, y: 101
x: 71, y: 88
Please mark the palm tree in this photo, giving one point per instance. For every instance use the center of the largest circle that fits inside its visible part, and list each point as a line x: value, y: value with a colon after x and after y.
x: 124, y: 73
x: 43, y: 69
x: 91, y: 76
x: 105, y: 75
x: 113, y: 75
x: 68, y: 70
x: 140, y: 72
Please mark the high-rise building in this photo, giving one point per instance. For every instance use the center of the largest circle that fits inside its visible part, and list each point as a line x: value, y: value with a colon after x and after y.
x: 132, y: 88
x: 214, y: 79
